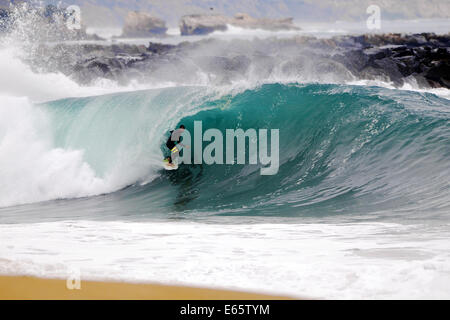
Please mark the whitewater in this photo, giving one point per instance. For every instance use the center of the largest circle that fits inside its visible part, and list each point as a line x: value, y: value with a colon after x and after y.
x: 359, y: 209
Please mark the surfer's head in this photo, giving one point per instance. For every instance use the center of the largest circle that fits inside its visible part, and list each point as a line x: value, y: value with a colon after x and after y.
x: 182, y: 127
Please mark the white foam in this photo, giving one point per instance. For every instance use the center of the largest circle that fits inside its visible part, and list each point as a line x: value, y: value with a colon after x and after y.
x: 93, y: 157
x: 235, y: 32
x: 343, y: 261
x: 31, y: 168
x: 17, y: 79
x: 104, y: 32
x: 410, y: 85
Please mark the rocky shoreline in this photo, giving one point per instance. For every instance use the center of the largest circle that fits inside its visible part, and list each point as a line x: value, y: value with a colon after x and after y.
x: 423, y: 58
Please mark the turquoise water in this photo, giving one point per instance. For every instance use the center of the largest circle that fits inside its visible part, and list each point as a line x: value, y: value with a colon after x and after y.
x: 359, y: 207
x: 345, y: 151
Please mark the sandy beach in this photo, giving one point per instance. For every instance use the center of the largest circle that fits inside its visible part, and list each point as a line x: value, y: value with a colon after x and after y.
x: 31, y: 288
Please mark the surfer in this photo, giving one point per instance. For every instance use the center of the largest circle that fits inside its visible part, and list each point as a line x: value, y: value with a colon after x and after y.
x: 174, y: 145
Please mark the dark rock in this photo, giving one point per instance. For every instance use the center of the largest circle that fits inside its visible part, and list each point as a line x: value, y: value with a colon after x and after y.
x: 220, y: 62
x: 439, y: 75
x: 402, y: 52
x: 159, y: 48
x: 391, y: 68
x: 354, y: 60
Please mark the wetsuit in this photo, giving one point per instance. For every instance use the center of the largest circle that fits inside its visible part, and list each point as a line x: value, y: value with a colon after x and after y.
x: 174, y: 145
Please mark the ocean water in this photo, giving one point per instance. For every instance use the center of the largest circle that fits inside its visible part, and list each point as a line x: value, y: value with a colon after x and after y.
x: 360, y: 206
